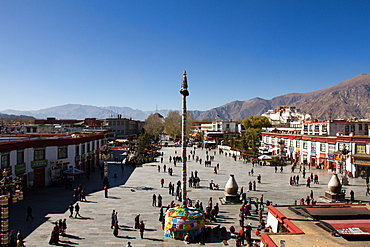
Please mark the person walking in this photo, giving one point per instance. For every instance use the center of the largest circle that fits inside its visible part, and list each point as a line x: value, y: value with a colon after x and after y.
x: 112, y: 219
x: 106, y: 191
x: 142, y: 228
x: 162, y: 182
x: 367, y: 190
x: 154, y: 202
x: 115, y: 230
x: 29, y: 212
x: 352, y: 194
x: 64, y: 227
x: 137, y: 221
x: 77, y: 210
x: 159, y: 200
x: 71, y: 210
x: 241, y: 219
x: 20, y: 241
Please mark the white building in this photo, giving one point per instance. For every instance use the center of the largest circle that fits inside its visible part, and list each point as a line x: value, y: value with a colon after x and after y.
x: 285, y: 114
x: 40, y: 158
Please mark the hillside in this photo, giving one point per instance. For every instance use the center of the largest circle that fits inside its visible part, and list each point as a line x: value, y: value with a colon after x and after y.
x: 347, y: 99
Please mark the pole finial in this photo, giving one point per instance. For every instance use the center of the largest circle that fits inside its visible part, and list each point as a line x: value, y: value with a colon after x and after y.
x: 184, y: 86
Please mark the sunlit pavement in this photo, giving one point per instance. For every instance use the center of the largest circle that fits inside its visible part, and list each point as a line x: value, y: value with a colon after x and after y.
x: 135, y: 197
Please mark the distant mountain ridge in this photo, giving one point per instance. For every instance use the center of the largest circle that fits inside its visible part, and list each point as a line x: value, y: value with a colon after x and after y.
x: 347, y: 99
x: 77, y: 111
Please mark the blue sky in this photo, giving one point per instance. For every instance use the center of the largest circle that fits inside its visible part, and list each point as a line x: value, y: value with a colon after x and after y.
x: 133, y: 53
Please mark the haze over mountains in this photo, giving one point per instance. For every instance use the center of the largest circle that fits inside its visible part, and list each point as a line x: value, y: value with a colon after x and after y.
x: 347, y: 99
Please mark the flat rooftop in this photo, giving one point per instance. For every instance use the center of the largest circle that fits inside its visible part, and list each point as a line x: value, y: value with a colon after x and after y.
x: 323, y: 225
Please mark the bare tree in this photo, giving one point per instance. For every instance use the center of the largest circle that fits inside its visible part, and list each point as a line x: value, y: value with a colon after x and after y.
x: 172, y: 124
x: 154, y: 125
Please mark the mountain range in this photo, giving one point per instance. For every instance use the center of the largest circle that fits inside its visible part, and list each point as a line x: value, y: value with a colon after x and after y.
x: 347, y: 99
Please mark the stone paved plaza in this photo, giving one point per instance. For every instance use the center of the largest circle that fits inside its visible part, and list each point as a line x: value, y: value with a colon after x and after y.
x: 131, y: 193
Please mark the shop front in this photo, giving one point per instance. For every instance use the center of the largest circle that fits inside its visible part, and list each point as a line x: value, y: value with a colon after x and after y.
x: 20, y: 171
x: 39, y: 172
x: 83, y: 162
x: 321, y: 161
x: 297, y: 155
x: 313, y: 159
x: 77, y: 162
x: 362, y: 165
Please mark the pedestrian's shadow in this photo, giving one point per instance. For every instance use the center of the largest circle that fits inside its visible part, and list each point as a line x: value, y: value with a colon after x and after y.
x: 71, y: 236
x: 127, y: 229
x: 85, y: 218
x: 126, y: 237
x: 114, y: 197
x: 155, y: 239
x: 150, y: 230
x: 125, y: 226
x: 66, y: 243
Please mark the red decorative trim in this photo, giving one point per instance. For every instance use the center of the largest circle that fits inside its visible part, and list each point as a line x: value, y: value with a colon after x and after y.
x: 266, y: 240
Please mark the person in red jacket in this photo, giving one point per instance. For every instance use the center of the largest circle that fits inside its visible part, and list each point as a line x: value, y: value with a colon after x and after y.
x: 142, y: 228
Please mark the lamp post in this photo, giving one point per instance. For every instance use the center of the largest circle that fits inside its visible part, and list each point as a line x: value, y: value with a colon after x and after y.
x: 184, y: 92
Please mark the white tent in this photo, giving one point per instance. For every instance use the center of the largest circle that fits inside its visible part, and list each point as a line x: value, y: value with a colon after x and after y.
x: 264, y: 157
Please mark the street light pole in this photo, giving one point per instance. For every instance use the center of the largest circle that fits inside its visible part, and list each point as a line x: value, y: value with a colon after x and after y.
x: 184, y: 91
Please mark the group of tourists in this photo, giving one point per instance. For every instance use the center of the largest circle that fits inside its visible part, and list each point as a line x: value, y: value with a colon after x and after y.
x: 59, y: 228
x: 79, y: 194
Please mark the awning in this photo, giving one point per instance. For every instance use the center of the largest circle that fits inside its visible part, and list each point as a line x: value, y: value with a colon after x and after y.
x: 73, y: 172
x: 264, y: 157
x: 122, y: 140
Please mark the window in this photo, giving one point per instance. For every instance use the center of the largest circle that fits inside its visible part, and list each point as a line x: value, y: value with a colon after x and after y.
x: 93, y: 145
x: 346, y: 130
x: 77, y: 150
x: 360, y: 148
x: 20, y: 157
x: 297, y: 144
x: 88, y: 147
x: 322, y: 147
x: 39, y: 154
x: 360, y: 127
x: 5, y: 160
x: 83, y: 148
x: 313, y: 146
x: 331, y: 148
x: 62, y: 152
x: 304, y: 144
